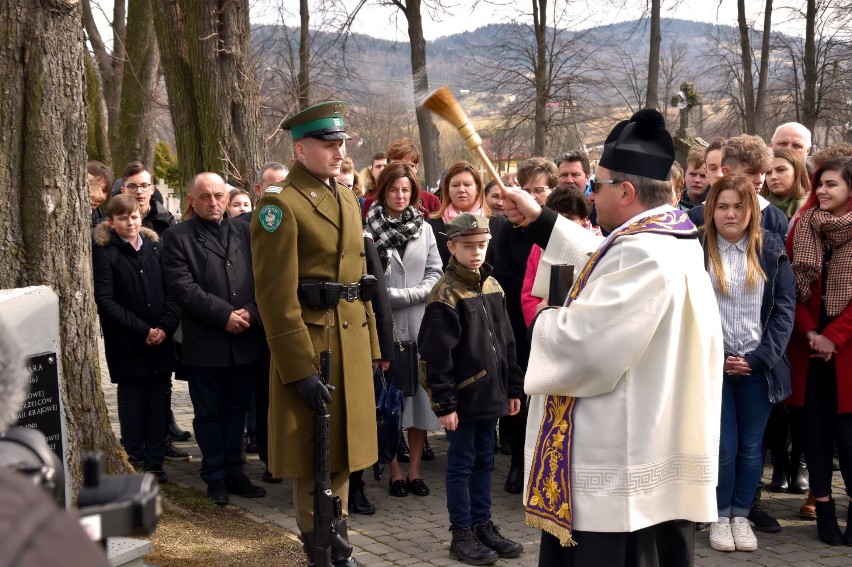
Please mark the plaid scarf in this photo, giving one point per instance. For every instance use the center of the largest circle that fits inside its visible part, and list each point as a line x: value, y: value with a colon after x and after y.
x: 389, y: 233
x: 816, y: 231
x: 549, y: 505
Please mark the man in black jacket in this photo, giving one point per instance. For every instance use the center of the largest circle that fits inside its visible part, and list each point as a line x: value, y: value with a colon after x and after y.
x: 207, y: 260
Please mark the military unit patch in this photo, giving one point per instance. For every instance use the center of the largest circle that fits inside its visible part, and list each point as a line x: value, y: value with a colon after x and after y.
x: 270, y: 218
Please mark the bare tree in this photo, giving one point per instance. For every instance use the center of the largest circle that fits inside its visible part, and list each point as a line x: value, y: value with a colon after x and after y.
x: 212, y: 87
x: 538, y: 74
x: 45, y: 226
x: 110, y: 63
x: 814, y: 76
x: 753, y: 106
x: 652, y: 97
x: 672, y: 68
x: 429, y: 135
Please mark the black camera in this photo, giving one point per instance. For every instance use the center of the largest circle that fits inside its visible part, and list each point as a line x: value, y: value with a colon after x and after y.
x: 108, y: 505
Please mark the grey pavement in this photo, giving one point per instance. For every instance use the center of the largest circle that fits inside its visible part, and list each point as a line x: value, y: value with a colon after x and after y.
x: 412, y: 531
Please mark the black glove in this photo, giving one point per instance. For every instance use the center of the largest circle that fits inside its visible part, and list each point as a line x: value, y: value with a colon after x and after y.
x: 314, y: 392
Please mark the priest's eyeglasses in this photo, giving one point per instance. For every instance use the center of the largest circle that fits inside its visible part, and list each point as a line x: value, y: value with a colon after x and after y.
x: 598, y: 184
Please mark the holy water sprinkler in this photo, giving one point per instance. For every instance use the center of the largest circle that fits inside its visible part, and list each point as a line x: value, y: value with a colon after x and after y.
x: 444, y: 104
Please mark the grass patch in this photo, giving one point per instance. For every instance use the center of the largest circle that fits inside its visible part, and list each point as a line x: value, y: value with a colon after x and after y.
x: 194, y: 532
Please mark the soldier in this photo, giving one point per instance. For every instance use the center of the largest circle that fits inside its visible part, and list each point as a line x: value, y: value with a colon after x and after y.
x: 306, y: 234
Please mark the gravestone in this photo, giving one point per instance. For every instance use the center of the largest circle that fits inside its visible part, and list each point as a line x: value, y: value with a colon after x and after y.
x: 684, y: 138
x: 33, y: 313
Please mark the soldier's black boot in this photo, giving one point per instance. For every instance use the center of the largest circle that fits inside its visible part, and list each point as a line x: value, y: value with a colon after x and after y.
x: 488, y: 534
x: 467, y: 549
x: 341, y: 556
x: 316, y: 557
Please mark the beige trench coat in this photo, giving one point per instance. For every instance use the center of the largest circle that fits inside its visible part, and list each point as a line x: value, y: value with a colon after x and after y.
x: 304, y: 233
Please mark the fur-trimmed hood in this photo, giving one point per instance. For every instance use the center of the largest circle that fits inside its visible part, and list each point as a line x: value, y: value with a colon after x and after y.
x: 102, y: 233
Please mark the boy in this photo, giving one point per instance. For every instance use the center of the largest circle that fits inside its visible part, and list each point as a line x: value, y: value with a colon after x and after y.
x: 748, y: 156
x: 467, y: 351
x: 139, y: 318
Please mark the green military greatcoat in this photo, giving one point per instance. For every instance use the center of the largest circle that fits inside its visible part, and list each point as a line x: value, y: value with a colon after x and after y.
x: 306, y: 232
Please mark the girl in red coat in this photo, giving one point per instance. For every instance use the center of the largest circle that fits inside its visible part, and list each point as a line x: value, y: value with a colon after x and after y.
x: 820, y: 248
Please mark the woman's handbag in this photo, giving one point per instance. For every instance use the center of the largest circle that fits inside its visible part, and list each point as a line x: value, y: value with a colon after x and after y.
x: 403, y: 367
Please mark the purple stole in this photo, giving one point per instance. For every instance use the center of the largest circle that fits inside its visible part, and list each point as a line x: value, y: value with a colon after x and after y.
x: 548, y: 496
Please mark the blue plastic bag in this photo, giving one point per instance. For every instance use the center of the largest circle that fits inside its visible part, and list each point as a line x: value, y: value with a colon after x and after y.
x: 389, y: 404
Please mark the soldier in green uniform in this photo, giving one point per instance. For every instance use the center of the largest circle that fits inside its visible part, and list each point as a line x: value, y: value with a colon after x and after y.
x: 305, y: 232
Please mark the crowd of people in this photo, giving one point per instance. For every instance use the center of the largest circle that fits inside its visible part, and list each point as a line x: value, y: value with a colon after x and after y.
x: 642, y: 404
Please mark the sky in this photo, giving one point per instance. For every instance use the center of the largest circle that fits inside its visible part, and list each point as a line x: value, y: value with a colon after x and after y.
x: 466, y: 15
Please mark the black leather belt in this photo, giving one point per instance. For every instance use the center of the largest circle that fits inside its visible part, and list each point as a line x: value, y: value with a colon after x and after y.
x: 325, y: 295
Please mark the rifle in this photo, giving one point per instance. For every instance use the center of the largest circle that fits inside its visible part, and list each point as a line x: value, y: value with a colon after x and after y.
x: 328, y: 508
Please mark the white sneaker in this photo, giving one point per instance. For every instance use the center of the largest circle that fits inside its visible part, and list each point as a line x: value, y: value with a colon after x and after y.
x: 721, y: 538
x: 744, y: 538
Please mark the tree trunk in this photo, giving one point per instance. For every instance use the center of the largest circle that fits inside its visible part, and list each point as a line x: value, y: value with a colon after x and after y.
x: 98, y: 141
x: 304, y: 56
x: 135, y: 139
x: 425, y: 124
x: 541, y: 96
x: 45, y: 237
x: 110, y: 65
x: 212, y: 86
x: 765, y: 53
x: 748, y: 76
x: 652, y: 96
x: 809, y: 68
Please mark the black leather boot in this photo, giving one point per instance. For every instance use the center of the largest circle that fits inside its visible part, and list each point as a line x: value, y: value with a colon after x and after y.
x: 514, y: 480
x: 488, y: 534
x: 341, y: 556
x: 175, y: 432
x: 799, y: 483
x: 315, y: 556
x: 358, y: 503
x: 847, y: 537
x: 827, y: 528
x: 779, y: 481
x: 467, y: 549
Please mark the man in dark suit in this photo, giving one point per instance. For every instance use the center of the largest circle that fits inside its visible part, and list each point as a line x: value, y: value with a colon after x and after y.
x: 207, y: 261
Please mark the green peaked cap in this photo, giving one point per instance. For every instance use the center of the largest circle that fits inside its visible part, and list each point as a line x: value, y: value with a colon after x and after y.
x: 322, y: 121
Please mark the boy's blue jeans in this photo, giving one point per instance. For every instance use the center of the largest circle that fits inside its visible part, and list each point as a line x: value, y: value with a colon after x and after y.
x: 470, y: 459
x: 745, y: 411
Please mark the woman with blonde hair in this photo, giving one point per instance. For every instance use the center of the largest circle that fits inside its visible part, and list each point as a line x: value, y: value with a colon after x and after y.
x: 755, y: 290
x: 462, y: 192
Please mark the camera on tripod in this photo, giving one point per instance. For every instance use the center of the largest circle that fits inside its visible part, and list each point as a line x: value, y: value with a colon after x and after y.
x: 108, y: 505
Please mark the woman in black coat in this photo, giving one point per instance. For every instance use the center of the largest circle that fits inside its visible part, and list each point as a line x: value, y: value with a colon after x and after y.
x: 138, y: 318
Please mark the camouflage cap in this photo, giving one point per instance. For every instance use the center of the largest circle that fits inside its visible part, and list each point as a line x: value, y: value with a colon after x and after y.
x: 322, y: 121
x: 466, y: 224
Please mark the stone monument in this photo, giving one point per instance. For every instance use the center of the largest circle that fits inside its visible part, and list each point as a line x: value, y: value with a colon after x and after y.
x: 684, y: 138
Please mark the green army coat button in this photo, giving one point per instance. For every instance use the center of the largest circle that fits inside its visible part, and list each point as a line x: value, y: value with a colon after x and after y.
x: 313, y: 194
x: 346, y: 324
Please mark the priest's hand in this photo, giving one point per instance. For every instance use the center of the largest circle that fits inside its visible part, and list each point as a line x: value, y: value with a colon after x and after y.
x: 520, y: 207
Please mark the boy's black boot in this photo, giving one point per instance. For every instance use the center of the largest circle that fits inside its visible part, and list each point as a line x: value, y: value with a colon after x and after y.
x: 467, y: 549
x: 827, y: 528
x: 488, y: 534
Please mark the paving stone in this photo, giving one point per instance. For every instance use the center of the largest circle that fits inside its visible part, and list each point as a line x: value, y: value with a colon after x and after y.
x: 413, y: 532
